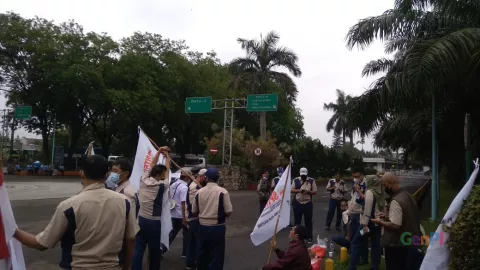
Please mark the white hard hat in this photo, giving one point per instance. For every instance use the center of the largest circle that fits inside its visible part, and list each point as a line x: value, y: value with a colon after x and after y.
x: 202, y: 172
x: 303, y: 171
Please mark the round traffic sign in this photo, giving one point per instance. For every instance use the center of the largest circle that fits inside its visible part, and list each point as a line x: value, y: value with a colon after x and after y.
x: 258, y: 151
x: 213, y: 151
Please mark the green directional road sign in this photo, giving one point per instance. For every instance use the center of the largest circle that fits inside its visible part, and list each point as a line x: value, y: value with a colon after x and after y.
x: 198, y: 105
x: 262, y: 103
x: 23, y: 112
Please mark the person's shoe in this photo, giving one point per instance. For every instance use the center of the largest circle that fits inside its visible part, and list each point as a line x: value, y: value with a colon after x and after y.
x: 327, y: 228
x: 183, y: 256
x: 338, y: 229
x: 189, y: 267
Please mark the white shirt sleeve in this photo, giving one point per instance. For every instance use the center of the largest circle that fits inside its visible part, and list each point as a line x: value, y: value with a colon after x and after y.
x: 395, y: 213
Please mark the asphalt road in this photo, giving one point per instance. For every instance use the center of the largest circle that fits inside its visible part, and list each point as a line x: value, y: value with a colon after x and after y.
x: 34, y: 200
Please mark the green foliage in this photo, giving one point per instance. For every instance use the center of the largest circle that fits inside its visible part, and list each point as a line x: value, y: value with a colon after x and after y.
x: 435, y: 48
x: 92, y: 87
x: 464, y: 239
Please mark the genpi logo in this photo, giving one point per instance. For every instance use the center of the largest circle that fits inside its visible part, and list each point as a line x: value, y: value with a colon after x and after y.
x: 434, y: 238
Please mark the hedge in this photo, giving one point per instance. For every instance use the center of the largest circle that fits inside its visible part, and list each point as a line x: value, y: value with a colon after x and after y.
x: 464, y: 239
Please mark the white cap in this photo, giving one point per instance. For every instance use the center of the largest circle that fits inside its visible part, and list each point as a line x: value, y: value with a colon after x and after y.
x: 202, y: 172
x: 303, y: 171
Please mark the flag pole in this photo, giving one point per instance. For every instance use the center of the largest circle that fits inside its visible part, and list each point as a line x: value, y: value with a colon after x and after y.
x: 171, y: 160
x: 279, y: 212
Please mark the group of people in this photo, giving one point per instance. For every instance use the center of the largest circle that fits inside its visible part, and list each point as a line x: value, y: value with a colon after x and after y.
x: 366, y: 217
x: 109, y: 225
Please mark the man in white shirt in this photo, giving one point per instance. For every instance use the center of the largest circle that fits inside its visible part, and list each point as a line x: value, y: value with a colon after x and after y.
x: 179, y: 191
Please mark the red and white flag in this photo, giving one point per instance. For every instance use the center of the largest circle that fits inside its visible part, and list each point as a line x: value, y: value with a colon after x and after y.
x: 143, y: 158
x: 11, y: 254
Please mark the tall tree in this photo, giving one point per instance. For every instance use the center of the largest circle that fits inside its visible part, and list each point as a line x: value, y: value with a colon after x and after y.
x: 257, y: 70
x: 340, y: 122
x: 437, y: 47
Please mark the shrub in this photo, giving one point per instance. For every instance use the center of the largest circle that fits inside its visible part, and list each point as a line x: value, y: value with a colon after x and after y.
x: 464, y: 240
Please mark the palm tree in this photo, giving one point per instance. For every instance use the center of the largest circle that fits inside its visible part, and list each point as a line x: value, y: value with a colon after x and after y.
x: 436, y: 46
x: 340, y: 122
x: 256, y: 72
x: 362, y: 142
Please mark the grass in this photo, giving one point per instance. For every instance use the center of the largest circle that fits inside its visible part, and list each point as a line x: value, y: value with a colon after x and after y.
x: 447, y: 194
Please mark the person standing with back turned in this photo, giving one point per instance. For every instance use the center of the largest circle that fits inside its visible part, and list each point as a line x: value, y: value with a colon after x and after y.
x: 213, y: 205
x: 153, y: 184
x: 92, y: 225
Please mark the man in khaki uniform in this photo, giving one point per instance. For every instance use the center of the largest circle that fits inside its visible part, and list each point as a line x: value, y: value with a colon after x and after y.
x: 213, y: 205
x: 120, y: 173
x: 91, y: 225
x: 304, y: 187
x: 192, y: 219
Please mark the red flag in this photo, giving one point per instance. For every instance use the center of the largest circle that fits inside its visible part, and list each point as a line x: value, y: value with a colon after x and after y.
x: 4, y: 253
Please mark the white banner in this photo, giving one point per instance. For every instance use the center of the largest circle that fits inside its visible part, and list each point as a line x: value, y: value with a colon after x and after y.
x: 438, y: 253
x: 16, y: 261
x: 143, y: 158
x: 265, y: 227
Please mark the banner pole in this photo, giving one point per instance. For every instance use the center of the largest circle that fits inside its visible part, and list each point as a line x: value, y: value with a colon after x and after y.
x: 171, y: 160
x: 279, y: 212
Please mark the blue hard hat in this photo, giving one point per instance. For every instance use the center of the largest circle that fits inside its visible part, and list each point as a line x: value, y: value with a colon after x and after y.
x: 280, y: 170
x: 212, y: 174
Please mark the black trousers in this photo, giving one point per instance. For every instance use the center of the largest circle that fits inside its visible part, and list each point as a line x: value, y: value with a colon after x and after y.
x: 401, y: 258
x: 306, y: 211
x: 262, y: 205
x: 177, y: 226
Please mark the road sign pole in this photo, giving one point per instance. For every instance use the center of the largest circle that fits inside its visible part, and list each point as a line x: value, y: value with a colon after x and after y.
x: 224, y: 130
x: 231, y: 132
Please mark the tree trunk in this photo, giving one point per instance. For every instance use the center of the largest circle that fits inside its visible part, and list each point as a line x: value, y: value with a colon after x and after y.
x: 351, y: 138
x: 263, y: 126
x: 45, y: 145
x: 344, y: 137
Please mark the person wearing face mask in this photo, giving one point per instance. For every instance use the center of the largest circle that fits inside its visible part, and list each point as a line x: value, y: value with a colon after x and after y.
x: 355, y: 210
x: 374, y: 204
x: 119, y: 178
x: 304, y: 187
x: 275, y: 180
x: 192, y: 219
x: 263, y: 190
x: 403, y: 217
x: 296, y: 257
x: 179, y: 191
x: 153, y: 184
x: 91, y: 226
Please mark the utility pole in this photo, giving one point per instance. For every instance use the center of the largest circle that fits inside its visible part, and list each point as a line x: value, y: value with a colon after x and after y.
x: 53, y: 138
x: 12, y: 136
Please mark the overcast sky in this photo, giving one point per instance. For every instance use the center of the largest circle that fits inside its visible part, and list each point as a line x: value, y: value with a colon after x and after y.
x: 314, y: 29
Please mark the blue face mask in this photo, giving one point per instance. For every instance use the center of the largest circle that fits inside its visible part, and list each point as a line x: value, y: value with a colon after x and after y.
x: 112, y: 180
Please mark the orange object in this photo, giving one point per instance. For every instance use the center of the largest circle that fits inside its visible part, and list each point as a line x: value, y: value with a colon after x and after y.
x: 316, y: 264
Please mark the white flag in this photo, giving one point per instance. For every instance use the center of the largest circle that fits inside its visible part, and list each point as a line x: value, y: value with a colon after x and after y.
x: 438, y: 253
x: 90, y: 151
x: 15, y: 260
x: 265, y: 227
x: 143, y: 158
